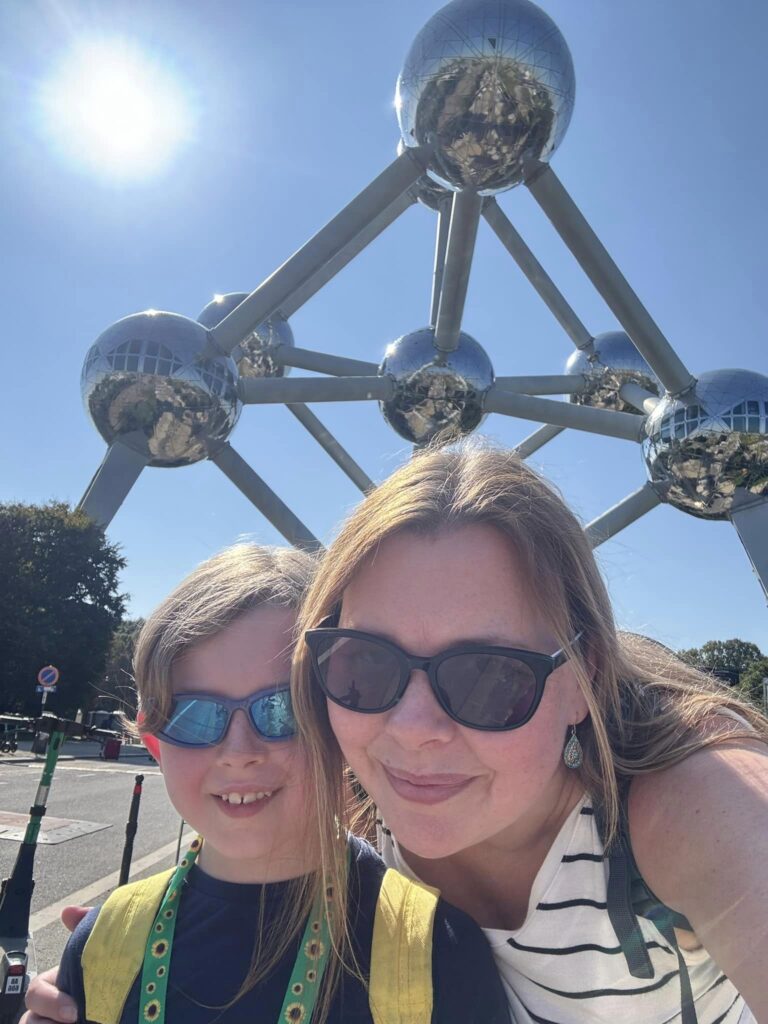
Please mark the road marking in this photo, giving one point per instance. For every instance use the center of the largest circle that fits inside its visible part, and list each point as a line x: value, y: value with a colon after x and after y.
x: 138, y: 769
x: 85, y: 896
x: 97, y: 769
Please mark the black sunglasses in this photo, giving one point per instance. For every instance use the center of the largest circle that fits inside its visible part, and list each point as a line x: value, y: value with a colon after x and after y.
x: 477, y: 685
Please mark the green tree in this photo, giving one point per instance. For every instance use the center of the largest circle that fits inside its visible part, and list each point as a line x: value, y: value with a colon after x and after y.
x: 116, y: 688
x: 59, y: 603
x: 751, y: 682
x: 723, y: 654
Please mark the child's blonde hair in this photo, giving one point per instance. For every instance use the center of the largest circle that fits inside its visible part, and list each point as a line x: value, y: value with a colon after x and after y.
x: 220, y: 590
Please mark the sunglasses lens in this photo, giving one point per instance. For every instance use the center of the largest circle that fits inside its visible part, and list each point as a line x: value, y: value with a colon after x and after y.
x: 361, y: 675
x: 487, y: 691
x: 196, y: 722
x: 272, y: 715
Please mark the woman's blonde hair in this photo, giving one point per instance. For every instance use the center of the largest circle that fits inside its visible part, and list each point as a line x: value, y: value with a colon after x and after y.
x: 215, y: 594
x: 647, y: 709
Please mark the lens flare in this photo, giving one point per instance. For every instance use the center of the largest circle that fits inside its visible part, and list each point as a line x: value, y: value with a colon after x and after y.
x: 114, y: 111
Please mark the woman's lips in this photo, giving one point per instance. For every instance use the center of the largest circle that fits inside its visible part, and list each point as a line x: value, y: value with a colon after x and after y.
x: 426, y: 789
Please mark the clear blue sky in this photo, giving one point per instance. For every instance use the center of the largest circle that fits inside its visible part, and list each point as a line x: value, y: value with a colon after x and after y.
x: 293, y: 105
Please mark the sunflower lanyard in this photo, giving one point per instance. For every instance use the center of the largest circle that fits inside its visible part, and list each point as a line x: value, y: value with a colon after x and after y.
x: 301, y: 994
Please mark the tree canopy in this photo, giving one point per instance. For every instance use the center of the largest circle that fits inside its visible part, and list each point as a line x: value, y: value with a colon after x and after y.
x: 116, y: 687
x: 723, y: 654
x: 740, y: 656
x: 59, y: 605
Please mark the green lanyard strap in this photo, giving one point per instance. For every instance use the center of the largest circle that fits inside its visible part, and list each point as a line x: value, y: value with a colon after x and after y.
x: 303, y: 988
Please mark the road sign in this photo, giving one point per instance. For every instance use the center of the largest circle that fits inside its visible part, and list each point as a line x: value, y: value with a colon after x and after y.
x: 48, y: 677
x: 45, y: 689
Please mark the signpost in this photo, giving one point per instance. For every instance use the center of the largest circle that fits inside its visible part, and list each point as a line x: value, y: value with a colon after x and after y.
x: 47, y: 678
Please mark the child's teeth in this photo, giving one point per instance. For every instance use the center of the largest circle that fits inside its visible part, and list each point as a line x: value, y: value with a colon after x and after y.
x: 245, y: 798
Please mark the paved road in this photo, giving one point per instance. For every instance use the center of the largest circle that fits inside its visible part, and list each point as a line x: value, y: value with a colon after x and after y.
x: 85, y: 788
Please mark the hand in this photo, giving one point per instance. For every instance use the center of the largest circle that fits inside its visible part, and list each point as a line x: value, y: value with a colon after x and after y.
x: 72, y: 916
x: 45, y: 1004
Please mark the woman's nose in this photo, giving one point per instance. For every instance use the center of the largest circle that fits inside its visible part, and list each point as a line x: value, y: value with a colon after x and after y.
x: 241, y: 741
x: 417, y: 718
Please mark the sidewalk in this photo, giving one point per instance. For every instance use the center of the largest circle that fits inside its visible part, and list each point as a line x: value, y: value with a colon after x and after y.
x: 79, y: 750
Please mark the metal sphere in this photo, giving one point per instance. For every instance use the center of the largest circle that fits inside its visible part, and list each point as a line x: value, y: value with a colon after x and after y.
x: 144, y: 382
x: 435, y: 393
x: 255, y: 353
x: 490, y: 84
x: 615, y: 361
x: 701, y: 449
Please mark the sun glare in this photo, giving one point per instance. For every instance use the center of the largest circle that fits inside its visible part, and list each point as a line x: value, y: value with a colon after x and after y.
x: 114, y: 111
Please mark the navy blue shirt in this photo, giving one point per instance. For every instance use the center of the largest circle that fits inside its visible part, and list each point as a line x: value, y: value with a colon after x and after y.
x: 214, y: 943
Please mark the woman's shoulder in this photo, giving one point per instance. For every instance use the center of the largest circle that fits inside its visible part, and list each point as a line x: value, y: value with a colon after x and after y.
x: 692, y: 812
x: 697, y: 829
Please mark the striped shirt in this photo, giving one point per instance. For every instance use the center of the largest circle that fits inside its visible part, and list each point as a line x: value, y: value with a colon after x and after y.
x: 563, y: 965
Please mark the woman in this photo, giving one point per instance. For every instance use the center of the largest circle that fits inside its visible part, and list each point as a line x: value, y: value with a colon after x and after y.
x: 502, y: 771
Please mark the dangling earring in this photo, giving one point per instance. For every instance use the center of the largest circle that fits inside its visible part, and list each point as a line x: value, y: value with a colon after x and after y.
x: 573, y: 755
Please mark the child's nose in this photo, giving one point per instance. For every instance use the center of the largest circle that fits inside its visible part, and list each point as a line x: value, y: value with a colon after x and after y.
x: 241, y: 741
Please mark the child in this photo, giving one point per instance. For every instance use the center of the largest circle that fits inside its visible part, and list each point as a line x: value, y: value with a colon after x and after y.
x: 255, y: 925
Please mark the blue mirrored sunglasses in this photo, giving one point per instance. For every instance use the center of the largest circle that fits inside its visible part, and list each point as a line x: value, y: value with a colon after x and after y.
x: 202, y: 719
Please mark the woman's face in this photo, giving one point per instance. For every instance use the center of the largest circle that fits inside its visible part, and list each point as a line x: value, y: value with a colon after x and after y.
x: 442, y: 787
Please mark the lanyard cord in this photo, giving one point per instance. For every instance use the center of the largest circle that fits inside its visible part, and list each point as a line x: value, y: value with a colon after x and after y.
x: 303, y: 988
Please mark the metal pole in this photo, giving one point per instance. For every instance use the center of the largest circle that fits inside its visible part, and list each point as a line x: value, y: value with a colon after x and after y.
x: 750, y: 517
x: 16, y: 893
x: 441, y: 243
x: 462, y: 232
x: 321, y: 362
x: 258, y: 390
x: 638, y: 397
x: 537, y: 440
x: 178, y: 843
x: 625, y: 512
x: 263, y: 497
x: 111, y: 483
x: 574, y: 230
x: 537, y: 275
x: 326, y: 440
x: 276, y: 292
x: 371, y: 231
x: 130, y: 830
x: 624, y: 425
x: 554, y: 384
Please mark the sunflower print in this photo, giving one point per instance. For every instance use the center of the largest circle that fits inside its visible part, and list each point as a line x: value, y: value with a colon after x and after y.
x: 152, y: 1010
x: 314, y: 949
x: 295, y: 1013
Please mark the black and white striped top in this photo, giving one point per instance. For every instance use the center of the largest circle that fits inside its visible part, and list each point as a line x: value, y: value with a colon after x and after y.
x: 564, y: 964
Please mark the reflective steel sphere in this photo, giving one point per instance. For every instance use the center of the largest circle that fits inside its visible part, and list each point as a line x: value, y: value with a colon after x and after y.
x: 144, y: 382
x: 699, y: 453
x: 435, y: 393
x: 616, y: 361
x: 255, y: 353
x: 490, y: 84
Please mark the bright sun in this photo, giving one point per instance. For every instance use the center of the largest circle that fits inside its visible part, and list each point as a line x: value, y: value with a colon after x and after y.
x: 114, y: 111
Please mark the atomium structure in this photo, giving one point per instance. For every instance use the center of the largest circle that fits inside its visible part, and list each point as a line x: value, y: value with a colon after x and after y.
x: 483, y: 101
